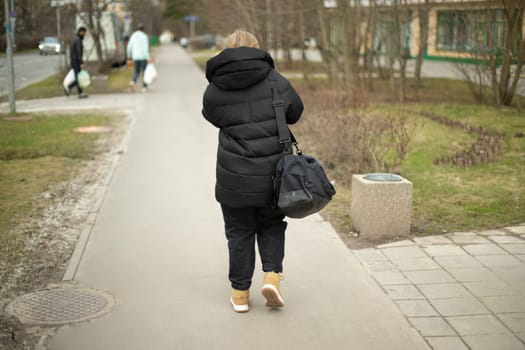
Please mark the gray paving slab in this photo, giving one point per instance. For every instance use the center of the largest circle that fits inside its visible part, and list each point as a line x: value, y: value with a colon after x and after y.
x: 506, y: 239
x: 444, y: 290
x: 492, y: 233
x: 379, y: 266
x: 514, y: 276
x: 158, y: 247
x: 515, y: 321
x: 503, y: 304
x: 467, y: 238
x: 514, y: 248
x: 403, y: 292
x: 457, y: 261
x: 369, y: 254
x: 472, y: 274
x: 499, y: 260
x: 442, y: 250
x: 519, y: 230
x: 399, y: 253
x: 414, y: 264
x: 429, y: 276
x: 432, y: 326
x: 489, y: 288
x: 373, y: 260
x: 390, y: 277
x: 446, y: 343
x: 459, y: 306
x: 429, y: 240
x: 416, y: 308
x: 477, y: 324
x: 403, y: 243
x: 493, y: 341
x: 484, y: 249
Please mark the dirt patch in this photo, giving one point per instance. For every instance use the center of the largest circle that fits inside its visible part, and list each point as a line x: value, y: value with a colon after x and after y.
x: 50, y: 236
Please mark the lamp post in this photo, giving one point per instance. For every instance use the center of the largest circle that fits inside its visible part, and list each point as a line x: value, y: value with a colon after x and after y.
x: 10, y: 66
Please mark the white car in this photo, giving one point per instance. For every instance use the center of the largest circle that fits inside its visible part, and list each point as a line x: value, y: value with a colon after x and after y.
x: 50, y: 45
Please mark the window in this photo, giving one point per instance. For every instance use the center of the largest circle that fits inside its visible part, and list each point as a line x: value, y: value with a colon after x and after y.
x: 468, y: 30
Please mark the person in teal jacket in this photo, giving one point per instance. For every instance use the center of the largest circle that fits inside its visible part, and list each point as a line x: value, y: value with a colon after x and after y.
x: 138, y: 52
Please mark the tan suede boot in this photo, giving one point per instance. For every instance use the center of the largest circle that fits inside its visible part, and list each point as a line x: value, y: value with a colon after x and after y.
x: 271, y: 290
x: 239, y: 300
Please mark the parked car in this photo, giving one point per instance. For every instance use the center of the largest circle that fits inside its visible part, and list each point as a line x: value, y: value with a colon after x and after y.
x: 50, y: 45
x: 184, y: 42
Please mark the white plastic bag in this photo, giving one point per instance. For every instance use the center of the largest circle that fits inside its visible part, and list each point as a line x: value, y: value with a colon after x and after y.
x: 150, y: 73
x: 70, y: 77
x: 83, y: 78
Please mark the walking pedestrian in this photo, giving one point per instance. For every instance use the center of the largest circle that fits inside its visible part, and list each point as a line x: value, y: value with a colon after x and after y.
x: 76, y: 58
x: 238, y: 101
x: 138, y: 52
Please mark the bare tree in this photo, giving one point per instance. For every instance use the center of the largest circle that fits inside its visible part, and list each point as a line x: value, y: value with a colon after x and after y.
x: 514, y: 50
x: 422, y: 12
x: 91, y: 14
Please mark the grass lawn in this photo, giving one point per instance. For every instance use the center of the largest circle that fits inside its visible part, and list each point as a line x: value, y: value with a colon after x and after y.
x: 34, y: 156
x: 446, y: 198
x: 118, y: 80
x: 450, y: 198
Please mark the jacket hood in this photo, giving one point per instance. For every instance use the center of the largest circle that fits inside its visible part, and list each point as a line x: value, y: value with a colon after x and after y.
x: 238, y: 68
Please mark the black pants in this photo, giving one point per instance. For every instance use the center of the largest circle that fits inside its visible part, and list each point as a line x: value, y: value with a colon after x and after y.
x: 245, y: 225
x: 76, y: 68
x: 140, y: 67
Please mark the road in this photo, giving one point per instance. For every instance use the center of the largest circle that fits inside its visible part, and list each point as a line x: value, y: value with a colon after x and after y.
x: 29, y: 68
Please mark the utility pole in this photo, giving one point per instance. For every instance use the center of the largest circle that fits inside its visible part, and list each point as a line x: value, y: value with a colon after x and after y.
x: 12, y: 17
x: 58, y: 36
x: 10, y: 66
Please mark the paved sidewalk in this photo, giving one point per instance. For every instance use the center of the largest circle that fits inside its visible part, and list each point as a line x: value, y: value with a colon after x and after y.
x: 462, y: 289
x: 158, y: 247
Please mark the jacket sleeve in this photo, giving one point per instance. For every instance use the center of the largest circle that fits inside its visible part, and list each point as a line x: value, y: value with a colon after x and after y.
x: 295, y: 104
x: 207, y: 109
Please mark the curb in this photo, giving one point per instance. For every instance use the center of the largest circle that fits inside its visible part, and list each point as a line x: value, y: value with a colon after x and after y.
x: 83, y: 239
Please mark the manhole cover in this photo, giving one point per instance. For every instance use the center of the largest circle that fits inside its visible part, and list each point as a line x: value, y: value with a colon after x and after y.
x: 60, y: 306
x: 92, y: 129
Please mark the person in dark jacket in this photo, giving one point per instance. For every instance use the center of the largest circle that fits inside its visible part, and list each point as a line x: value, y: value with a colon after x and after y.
x: 238, y: 101
x: 76, y: 57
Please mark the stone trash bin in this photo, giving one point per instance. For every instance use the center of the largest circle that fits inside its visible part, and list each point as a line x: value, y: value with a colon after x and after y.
x: 381, y: 206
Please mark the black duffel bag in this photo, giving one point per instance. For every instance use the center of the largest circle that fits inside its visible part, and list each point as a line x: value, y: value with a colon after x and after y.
x: 301, y: 187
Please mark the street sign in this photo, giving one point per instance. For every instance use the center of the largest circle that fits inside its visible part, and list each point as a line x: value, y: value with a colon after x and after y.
x: 56, y: 3
x: 192, y: 18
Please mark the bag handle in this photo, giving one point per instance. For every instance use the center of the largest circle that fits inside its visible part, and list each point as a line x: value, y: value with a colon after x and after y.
x: 285, y: 135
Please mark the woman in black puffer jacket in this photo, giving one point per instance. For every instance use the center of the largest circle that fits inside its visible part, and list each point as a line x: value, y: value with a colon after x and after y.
x: 238, y: 101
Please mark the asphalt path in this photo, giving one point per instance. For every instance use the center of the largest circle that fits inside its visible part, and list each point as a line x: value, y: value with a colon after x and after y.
x: 30, y: 67
x: 158, y: 247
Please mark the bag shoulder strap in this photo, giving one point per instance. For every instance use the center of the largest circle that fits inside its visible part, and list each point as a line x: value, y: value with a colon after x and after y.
x: 278, y: 107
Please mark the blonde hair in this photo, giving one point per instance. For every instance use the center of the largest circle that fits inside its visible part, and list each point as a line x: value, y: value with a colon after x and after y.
x: 241, y: 38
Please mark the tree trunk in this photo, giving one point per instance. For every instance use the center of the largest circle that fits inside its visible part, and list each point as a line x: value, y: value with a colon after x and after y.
x: 302, y: 34
x: 423, y: 38
x: 346, y: 37
x: 514, y: 10
x: 326, y: 47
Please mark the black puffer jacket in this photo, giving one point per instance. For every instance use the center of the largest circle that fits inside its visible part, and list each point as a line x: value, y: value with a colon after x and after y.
x: 238, y: 101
